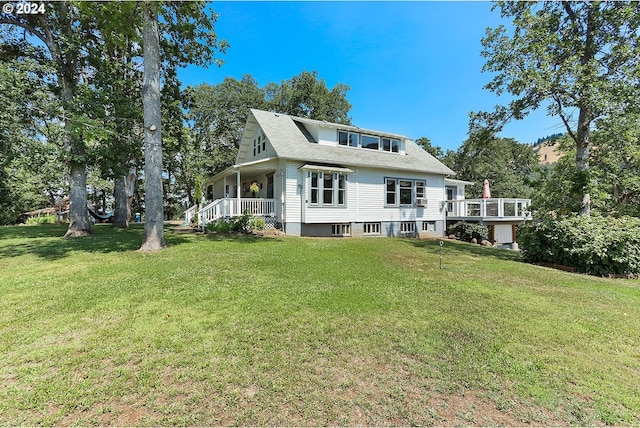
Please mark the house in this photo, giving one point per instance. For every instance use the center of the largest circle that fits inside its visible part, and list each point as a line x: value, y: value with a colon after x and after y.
x: 316, y: 178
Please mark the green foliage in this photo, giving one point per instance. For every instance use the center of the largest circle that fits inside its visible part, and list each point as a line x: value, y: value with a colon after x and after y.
x: 425, y: 144
x: 595, y: 245
x: 241, y: 224
x: 507, y: 165
x: 580, y: 60
x: 43, y: 219
x: 467, y: 231
x: 302, y: 328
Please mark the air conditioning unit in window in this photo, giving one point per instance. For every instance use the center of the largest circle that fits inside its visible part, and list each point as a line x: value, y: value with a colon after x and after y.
x: 422, y: 202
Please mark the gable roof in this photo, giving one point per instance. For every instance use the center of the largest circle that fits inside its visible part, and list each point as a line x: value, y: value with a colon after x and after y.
x: 290, y: 140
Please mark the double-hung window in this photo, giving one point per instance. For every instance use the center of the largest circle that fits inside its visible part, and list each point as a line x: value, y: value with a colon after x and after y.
x: 403, y: 192
x: 327, y: 189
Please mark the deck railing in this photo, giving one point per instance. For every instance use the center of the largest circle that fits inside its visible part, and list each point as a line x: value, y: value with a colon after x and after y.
x: 234, y: 207
x: 491, y: 207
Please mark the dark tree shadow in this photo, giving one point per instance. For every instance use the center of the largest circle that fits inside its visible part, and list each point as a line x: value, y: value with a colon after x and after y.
x: 46, y: 241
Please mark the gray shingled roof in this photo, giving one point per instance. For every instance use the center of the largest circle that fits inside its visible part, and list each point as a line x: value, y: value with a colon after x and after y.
x: 290, y: 142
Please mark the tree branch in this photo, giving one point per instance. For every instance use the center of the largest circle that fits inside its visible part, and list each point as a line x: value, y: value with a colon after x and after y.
x: 25, y: 26
x: 564, y: 119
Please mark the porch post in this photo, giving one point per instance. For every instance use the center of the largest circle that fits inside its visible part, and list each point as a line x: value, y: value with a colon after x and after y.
x: 224, y: 187
x: 238, y: 185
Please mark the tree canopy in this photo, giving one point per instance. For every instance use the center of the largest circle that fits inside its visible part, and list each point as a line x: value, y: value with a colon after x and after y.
x: 572, y: 57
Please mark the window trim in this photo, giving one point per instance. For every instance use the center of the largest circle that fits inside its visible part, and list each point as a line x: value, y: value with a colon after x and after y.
x: 397, y: 191
x: 337, y: 193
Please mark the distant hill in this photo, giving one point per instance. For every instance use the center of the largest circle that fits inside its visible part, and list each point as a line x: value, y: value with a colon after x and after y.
x: 546, y: 149
x: 551, y: 137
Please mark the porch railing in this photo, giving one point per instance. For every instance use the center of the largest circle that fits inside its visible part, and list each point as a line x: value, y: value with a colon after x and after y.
x: 190, y: 214
x: 234, y: 207
x: 491, y: 207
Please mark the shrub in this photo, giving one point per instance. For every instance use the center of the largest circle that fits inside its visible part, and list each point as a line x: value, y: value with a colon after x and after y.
x: 245, y: 223
x: 594, y: 245
x: 467, y: 231
x: 43, y: 219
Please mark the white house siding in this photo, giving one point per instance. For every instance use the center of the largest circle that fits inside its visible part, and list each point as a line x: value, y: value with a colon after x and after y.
x: 293, y: 197
x: 365, y: 197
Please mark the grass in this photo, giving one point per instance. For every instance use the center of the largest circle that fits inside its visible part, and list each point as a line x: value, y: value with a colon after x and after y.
x: 295, y: 331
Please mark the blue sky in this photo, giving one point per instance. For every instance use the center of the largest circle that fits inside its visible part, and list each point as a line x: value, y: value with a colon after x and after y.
x: 414, y: 68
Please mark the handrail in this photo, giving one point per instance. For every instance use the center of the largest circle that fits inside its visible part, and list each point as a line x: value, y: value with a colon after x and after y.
x: 490, y: 207
x: 232, y: 207
x: 189, y: 214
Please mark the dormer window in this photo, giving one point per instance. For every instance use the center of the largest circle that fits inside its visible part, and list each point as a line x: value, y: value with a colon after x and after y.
x: 348, y: 139
x: 370, y: 142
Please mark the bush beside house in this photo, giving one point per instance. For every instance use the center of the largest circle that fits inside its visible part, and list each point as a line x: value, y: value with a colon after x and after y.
x: 468, y: 231
x: 594, y: 245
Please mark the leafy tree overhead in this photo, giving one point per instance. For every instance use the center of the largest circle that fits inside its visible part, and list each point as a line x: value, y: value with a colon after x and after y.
x: 425, y: 144
x: 306, y: 95
x: 574, y: 57
x: 507, y: 165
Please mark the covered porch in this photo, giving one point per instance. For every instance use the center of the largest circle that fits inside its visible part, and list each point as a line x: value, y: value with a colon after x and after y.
x: 250, y: 187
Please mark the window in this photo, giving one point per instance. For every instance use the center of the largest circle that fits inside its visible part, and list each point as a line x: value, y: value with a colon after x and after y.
x: 371, y: 229
x: 404, y: 192
x: 327, y: 193
x: 341, y: 189
x: 270, y: 186
x: 428, y: 226
x: 264, y: 143
x: 340, y: 229
x: 314, y: 188
x: 347, y: 139
x: 370, y: 142
x: 390, y: 145
x: 327, y: 189
x: 419, y: 189
x: 407, y: 226
x: 255, y: 147
x: 391, y: 191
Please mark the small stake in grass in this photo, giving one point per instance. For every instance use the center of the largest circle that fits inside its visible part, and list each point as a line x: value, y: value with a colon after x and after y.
x: 441, y: 244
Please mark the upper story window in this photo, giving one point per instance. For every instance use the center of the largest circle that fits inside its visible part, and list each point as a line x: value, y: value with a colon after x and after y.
x: 259, y: 144
x: 370, y: 142
x: 350, y: 139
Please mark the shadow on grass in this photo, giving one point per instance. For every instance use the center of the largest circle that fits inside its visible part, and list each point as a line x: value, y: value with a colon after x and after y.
x: 452, y: 248
x: 243, y: 238
x: 46, y: 241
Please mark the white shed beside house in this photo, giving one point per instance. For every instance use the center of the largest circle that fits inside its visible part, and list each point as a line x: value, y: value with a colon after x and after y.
x: 316, y: 178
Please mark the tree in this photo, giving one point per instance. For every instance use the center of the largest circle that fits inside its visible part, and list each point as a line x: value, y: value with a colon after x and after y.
x: 579, y: 57
x: 616, y: 163
x: 425, y: 144
x: 66, y: 39
x: 306, y: 95
x: 506, y: 163
x: 218, y: 114
x: 154, y: 215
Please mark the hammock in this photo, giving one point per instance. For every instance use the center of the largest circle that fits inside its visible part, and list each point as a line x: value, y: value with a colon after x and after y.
x: 106, y: 217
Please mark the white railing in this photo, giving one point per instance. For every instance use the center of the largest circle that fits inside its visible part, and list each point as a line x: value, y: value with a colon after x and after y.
x: 234, y: 207
x: 491, y: 207
x: 190, y: 214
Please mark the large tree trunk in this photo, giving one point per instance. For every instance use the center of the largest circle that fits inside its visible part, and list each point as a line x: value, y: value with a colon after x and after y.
x: 79, y: 224
x: 120, y: 218
x: 154, y: 222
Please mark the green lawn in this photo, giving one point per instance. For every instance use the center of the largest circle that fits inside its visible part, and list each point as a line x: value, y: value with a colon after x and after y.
x: 294, y: 331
